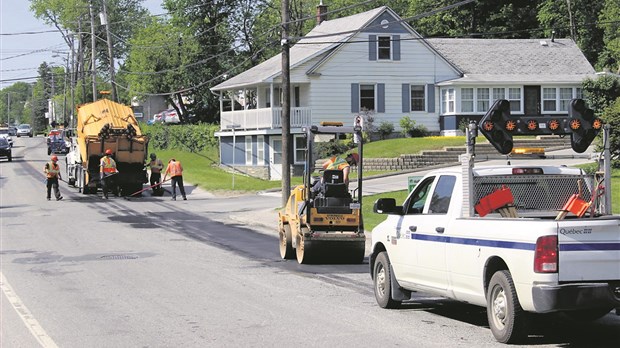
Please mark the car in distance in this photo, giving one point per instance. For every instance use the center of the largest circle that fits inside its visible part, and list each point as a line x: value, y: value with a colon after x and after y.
x: 171, y: 116
x: 25, y: 130
x: 5, y: 149
x: 12, y: 130
x: 4, y: 133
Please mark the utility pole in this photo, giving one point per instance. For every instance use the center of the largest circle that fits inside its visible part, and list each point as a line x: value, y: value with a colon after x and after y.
x: 106, y: 22
x: 72, y: 80
x: 92, y: 50
x: 286, y: 105
x: 81, y: 59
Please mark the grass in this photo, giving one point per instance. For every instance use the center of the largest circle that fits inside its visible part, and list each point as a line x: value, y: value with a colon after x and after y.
x: 395, y: 147
x: 371, y: 220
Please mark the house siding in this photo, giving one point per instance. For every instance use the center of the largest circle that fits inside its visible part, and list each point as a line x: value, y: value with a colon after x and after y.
x: 331, y: 93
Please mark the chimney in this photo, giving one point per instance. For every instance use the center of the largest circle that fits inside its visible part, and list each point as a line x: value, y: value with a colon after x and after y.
x: 321, y: 13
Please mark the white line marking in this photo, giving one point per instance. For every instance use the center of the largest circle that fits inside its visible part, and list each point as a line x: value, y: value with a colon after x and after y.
x: 31, y: 323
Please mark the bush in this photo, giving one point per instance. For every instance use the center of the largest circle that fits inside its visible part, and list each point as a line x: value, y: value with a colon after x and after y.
x: 192, y: 138
x: 385, y: 129
x: 331, y: 148
x: 612, y: 117
x: 409, y: 128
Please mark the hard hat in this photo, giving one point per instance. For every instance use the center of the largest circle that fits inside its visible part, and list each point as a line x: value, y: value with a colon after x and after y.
x: 153, y: 156
x: 108, y: 152
x: 54, y: 158
x: 356, y: 157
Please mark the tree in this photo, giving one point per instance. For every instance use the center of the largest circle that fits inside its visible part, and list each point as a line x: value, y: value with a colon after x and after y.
x: 575, y: 19
x: 612, y: 117
x: 609, y: 22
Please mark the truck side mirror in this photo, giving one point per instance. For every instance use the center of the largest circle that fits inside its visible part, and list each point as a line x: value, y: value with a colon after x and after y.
x: 386, y: 206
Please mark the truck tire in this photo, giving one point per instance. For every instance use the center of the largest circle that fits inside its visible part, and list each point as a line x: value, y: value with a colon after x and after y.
x: 507, y: 319
x: 286, y: 247
x: 382, y: 281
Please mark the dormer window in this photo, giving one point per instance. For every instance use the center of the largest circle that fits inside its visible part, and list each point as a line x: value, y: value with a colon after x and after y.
x: 384, y: 51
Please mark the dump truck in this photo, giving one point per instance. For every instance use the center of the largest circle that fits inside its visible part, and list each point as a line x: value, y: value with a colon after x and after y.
x: 103, y: 125
x: 326, y: 225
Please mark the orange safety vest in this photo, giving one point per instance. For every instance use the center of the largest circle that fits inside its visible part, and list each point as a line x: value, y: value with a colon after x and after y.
x: 175, y: 169
x: 338, y: 163
x: 108, y: 165
x: 52, y: 170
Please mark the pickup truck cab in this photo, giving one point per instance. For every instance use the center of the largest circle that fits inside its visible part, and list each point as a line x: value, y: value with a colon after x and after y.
x: 524, y: 259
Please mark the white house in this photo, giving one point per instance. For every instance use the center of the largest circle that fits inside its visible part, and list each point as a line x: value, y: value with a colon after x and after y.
x: 374, y: 61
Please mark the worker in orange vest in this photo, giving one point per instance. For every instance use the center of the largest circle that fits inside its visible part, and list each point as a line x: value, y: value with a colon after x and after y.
x: 52, y: 172
x: 176, y: 177
x: 342, y: 163
x: 107, y: 170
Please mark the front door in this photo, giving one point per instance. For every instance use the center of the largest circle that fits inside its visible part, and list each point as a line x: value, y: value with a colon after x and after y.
x: 275, y: 158
x: 532, y: 100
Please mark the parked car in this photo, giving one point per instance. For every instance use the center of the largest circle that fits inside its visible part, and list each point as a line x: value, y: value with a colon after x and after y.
x: 25, y: 130
x: 4, y: 133
x: 12, y: 130
x: 5, y: 149
x: 171, y: 116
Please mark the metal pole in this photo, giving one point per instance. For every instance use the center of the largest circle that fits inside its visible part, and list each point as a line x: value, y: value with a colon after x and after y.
x: 286, y: 105
x: 8, y: 111
x: 233, y: 158
x: 92, y: 50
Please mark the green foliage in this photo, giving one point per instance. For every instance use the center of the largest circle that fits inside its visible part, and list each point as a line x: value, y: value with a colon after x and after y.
x: 372, y: 219
x: 191, y: 138
x: 609, y: 57
x: 330, y: 148
x: 395, y: 147
x: 601, y: 92
x: 464, y: 125
x: 611, y: 116
x: 385, y: 129
x: 411, y: 129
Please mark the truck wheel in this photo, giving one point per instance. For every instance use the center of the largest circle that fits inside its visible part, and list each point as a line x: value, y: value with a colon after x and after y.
x: 286, y: 247
x: 85, y: 189
x: 382, y: 278
x: 507, y: 319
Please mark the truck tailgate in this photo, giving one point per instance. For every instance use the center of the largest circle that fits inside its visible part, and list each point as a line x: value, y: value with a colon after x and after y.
x: 589, y: 250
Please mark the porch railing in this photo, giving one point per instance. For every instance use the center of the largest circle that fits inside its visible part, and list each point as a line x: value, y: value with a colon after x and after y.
x: 267, y: 118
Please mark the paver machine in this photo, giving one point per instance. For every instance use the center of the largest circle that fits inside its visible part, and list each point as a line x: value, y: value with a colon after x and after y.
x: 322, y: 221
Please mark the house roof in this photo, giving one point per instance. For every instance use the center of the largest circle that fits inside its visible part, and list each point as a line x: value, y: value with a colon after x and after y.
x: 515, y: 60
x: 313, y: 44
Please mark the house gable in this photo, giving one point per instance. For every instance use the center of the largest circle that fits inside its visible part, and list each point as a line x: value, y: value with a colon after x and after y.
x: 386, y: 23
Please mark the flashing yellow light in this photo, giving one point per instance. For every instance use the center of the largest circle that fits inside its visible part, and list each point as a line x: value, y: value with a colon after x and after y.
x: 511, y: 125
x: 597, y: 124
x: 331, y: 123
x: 488, y: 126
x: 104, y: 92
x: 553, y: 125
x: 532, y: 125
x: 575, y: 124
x: 528, y: 151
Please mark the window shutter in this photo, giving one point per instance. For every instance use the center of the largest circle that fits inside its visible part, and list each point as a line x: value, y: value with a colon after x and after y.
x: 406, y: 98
x: 381, y: 97
x: 372, y: 47
x: 355, y: 97
x: 430, y: 98
x: 396, y: 46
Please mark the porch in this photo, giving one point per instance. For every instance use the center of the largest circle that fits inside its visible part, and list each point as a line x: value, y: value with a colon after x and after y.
x: 264, y: 118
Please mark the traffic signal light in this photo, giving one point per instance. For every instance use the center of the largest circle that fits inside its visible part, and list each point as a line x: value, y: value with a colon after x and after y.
x: 583, y: 124
x: 497, y: 126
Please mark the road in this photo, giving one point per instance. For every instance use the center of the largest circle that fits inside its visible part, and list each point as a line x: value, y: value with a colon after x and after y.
x: 150, y: 272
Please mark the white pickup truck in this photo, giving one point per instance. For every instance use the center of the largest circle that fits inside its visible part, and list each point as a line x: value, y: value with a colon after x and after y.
x: 534, y: 252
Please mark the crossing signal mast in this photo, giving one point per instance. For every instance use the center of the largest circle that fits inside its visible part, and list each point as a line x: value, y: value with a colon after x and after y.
x: 499, y: 126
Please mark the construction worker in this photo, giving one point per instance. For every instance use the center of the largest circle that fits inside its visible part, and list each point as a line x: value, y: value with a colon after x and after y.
x: 107, y: 170
x: 52, y: 172
x: 342, y: 163
x: 176, y: 176
x: 156, y: 166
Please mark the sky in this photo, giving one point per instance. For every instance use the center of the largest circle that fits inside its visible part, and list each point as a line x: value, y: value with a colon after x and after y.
x: 21, y: 54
